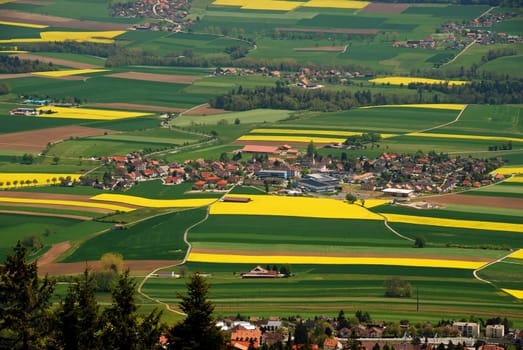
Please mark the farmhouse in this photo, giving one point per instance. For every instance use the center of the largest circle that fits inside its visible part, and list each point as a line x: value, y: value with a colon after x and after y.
x: 260, y: 272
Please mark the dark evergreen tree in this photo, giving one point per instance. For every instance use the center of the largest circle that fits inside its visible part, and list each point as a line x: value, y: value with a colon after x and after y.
x: 77, y: 316
x: 198, y: 330
x: 24, y: 302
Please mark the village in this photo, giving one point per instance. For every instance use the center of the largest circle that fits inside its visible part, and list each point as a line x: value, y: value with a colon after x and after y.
x: 285, y: 170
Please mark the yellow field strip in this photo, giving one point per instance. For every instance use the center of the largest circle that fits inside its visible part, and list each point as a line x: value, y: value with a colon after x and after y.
x: 315, y: 132
x: 465, y: 137
x: 290, y: 5
x: 301, y: 139
x: 515, y: 179
x: 41, y: 179
x: 86, y: 113
x: 371, y: 203
x: 154, y: 203
x: 21, y: 24
x: 293, y: 206
x: 518, y: 254
x: 452, y: 106
x: 103, y: 37
x: 508, y: 171
x: 65, y: 202
x: 516, y: 293
x: 13, y: 51
x: 326, y: 260
x: 454, y: 223
x: 408, y: 80
x: 68, y: 72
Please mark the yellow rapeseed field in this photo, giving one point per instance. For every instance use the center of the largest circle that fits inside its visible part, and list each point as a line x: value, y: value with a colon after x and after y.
x: 451, y: 106
x: 21, y: 24
x: 516, y: 293
x: 104, y: 37
x: 275, y: 5
x: 465, y: 137
x: 65, y: 202
x: 470, y: 224
x: 515, y: 179
x: 229, y: 2
x: 302, y: 139
x: 64, y: 73
x: 508, y: 170
x: 154, y: 203
x: 7, y: 179
x: 312, y: 132
x: 518, y: 254
x: 329, y: 260
x: 86, y: 113
x: 294, y: 206
x: 408, y: 80
x: 341, y: 4
x: 371, y: 203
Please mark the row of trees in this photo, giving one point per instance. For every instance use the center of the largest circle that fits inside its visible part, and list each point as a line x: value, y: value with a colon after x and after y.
x: 14, y: 64
x: 28, y: 320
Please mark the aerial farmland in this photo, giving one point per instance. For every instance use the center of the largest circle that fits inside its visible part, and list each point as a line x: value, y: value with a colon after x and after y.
x: 337, y: 143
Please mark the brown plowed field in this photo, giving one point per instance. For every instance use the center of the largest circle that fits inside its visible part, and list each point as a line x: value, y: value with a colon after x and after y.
x: 341, y: 30
x: 15, y: 75
x: 483, y: 201
x: 205, y: 110
x: 37, y: 140
x: 332, y: 254
x: 57, y: 206
x: 54, y: 21
x: 57, y: 61
x: 162, y: 78
x: 33, y: 213
x: 384, y: 8
x: 135, y: 107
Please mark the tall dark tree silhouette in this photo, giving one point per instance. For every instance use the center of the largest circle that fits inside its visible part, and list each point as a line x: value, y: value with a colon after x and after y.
x: 198, y: 330
x: 24, y: 303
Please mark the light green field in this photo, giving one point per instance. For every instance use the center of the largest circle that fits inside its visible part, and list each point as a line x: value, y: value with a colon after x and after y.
x: 247, y: 117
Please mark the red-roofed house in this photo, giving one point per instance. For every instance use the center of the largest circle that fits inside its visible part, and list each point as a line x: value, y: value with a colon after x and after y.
x: 242, y: 338
x: 260, y: 149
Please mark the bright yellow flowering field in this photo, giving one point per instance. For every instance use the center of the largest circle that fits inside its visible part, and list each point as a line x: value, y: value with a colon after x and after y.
x: 65, y: 202
x: 229, y: 2
x: 41, y: 178
x: 105, y: 37
x: 303, y: 139
x: 371, y: 203
x: 518, y: 254
x: 64, y: 73
x: 20, y: 24
x: 408, y: 80
x: 451, y: 106
x: 271, y: 5
x: 294, y: 206
x: 508, y: 171
x: 314, y: 132
x: 154, y: 203
x: 86, y: 113
x: 515, y: 179
x: 516, y: 293
x: 465, y: 137
x: 470, y: 224
x: 341, y: 4
x: 329, y: 260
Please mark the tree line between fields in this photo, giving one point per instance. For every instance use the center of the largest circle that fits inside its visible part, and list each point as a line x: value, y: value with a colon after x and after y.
x: 30, y: 320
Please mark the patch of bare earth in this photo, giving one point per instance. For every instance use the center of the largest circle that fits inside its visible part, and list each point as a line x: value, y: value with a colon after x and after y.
x: 57, y: 61
x: 339, y: 30
x: 56, y: 215
x: 162, y: 78
x: 329, y: 254
x: 322, y: 48
x: 59, y: 207
x: 55, y: 21
x: 15, y: 75
x: 53, y: 253
x: 37, y: 140
x: 481, y: 201
x: 135, y: 107
x: 66, y: 197
x: 205, y: 110
x: 375, y: 7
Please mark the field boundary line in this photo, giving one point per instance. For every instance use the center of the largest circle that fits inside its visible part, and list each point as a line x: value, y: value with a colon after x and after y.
x: 386, y: 223
x: 446, y: 124
x: 475, y: 272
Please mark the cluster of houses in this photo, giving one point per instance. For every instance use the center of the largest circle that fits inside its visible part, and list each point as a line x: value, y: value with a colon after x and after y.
x: 292, y: 173
x: 173, y: 11
x: 255, y: 332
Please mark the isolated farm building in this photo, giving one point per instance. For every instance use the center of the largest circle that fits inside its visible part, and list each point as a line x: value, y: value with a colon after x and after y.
x: 260, y: 272
x: 260, y: 149
x: 398, y: 192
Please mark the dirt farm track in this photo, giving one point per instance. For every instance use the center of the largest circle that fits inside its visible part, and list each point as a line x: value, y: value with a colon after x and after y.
x: 486, y: 201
